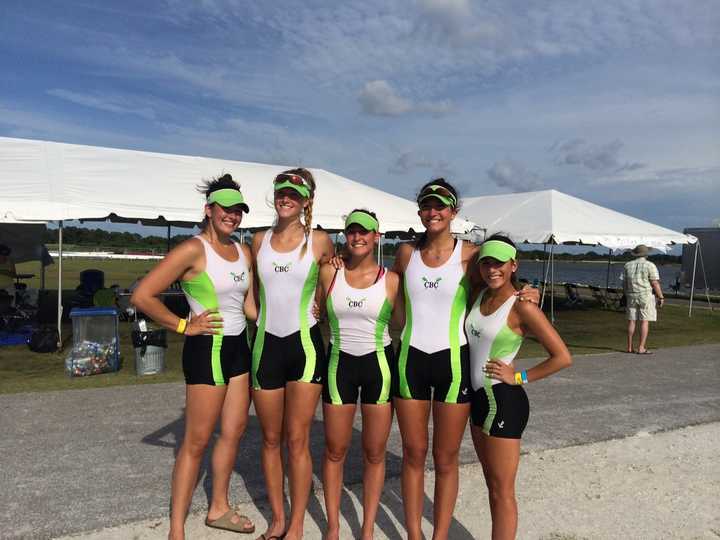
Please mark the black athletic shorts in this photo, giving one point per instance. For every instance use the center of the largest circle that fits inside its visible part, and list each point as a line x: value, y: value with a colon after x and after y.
x: 214, y: 359
x: 368, y: 376
x: 501, y: 411
x: 440, y: 375
x: 279, y: 360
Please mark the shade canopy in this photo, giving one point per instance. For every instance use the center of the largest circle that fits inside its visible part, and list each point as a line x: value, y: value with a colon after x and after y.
x: 540, y: 217
x: 25, y: 242
x: 43, y: 180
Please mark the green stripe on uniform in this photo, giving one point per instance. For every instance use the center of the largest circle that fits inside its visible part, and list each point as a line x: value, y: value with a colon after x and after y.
x: 382, y: 322
x: 335, y: 356
x: 308, y: 292
x: 457, y: 312
x: 404, y: 388
x: 259, y: 336
x: 202, y: 290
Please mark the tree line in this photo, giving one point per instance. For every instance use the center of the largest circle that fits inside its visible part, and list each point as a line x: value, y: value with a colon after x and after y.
x: 125, y: 241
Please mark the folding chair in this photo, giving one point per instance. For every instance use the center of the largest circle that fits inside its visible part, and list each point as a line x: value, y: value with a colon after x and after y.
x: 599, y: 295
x: 614, y: 297
x: 572, y: 295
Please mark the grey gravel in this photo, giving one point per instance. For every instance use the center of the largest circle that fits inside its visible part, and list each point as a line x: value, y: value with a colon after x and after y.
x: 84, y: 460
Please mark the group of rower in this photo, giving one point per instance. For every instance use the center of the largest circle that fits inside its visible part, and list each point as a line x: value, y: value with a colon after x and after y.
x: 463, y: 318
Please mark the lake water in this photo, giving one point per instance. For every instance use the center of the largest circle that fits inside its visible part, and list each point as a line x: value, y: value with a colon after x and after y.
x: 584, y: 273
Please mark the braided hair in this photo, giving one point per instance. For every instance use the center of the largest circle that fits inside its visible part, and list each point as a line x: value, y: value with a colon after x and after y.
x: 307, y: 211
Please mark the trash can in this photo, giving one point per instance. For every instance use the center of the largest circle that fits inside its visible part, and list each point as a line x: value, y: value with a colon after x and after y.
x: 95, y: 342
x: 150, y: 345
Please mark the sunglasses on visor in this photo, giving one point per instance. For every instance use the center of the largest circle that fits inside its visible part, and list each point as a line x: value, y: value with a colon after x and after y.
x: 438, y: 192
x: 292, y: 178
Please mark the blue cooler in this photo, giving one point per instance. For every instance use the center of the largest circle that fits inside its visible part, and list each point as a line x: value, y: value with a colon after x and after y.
x: 96, y: 342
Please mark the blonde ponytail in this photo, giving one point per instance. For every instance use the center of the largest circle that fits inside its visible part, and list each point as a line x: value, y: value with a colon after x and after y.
x: 308, y: 225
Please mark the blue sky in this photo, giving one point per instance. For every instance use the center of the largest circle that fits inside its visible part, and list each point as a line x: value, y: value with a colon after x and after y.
x: 615, y: 102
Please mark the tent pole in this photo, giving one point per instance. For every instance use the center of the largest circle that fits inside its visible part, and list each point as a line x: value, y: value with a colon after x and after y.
x: 552, y: 283
x: 546, y: 269
x: 59, y: 292
x: 168, y: 238
x: 543, y: 264
x: 42, y: 275
x: 607, y: 276
x: 692, y: 285
x: 702, y: 267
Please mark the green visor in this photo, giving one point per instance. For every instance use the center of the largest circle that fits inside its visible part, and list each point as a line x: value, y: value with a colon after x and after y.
x: 228, y: 198
x: 302, y: 189
x: 365, y: 220
x: 441, y: 193
x: 497, y: 249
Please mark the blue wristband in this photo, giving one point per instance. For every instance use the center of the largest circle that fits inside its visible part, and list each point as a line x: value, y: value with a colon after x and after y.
x: 523, y: 374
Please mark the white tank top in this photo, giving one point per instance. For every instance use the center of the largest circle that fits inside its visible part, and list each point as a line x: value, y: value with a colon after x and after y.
x: 435, y: 303
x: 222, y: 286
x: 489, y: 337
x: 359, y: 317
x: 287, y: 288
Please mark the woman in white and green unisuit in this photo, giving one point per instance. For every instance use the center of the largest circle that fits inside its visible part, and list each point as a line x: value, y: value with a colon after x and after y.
x: 216, y: 276
x: 359, y: 298
x: 433, y: 370
x: 288, y: 357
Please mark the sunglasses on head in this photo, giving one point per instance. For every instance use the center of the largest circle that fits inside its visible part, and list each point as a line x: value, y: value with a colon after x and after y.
x: 292, y: 178
x: 440, y: 192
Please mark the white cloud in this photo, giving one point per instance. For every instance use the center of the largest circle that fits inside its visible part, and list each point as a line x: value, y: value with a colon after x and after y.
x: 599, y: 157
x: 408, y: 162
x: 511, y: 174
x: 116, y: 104
x: 687, y: 179
x: 378, y: 98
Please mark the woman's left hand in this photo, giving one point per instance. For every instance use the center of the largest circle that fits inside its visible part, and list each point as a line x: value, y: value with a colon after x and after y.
x: 495, y: 369
x: 529, y: 294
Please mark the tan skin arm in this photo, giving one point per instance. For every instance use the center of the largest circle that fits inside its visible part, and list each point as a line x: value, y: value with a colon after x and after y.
x: 255, y: 244
x: 250, y: 305
x: 184, y: 262
x: 402, y: 258
x: 395, y: 295
x: 527, y: 318
x: 658, y: 291
x: 327, y: 273
x: 323, y: 251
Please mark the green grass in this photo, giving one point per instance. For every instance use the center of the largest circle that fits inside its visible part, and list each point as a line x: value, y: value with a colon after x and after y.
x: 117, y: 271
x: 592, y: 331
x: 587, y: 331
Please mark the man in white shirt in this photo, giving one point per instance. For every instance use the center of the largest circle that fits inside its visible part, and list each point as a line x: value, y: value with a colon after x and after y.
x: 640, y: 280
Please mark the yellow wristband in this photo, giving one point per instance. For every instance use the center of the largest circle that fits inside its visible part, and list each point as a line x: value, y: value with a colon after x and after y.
x: 518, y: 378
x: 182, y: 324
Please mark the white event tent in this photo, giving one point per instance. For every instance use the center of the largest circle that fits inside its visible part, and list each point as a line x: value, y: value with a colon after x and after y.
x: 50, y: 181
x: 552, y: 217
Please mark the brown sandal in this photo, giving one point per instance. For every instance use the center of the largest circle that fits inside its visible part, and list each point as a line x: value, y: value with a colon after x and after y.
x: 226, y: 523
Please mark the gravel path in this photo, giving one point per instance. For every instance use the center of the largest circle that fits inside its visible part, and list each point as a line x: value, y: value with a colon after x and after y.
x: 82, y: 460
x: 665, y: 486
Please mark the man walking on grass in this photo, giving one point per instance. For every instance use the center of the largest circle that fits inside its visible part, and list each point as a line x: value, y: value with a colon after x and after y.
x: 640, y: 280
